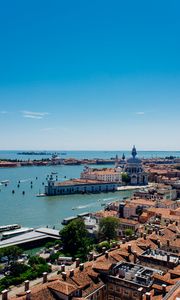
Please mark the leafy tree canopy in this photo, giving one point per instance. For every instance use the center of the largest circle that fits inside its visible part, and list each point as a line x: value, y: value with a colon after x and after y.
x: 12, y: 253
x: 125, y: 178
x: 74, y: 237
x: 128, y: 232
x: 108, y: 228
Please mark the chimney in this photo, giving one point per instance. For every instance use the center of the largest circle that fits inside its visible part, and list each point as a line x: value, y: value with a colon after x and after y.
x: 140, y: 290
x: 81, y: 267
x: 95, y: 257
x: 135, y: 257
x: 164, y: 289
x: 176, y: 223
x: 64, y: 275
x: 114, y: 244
x: 103, y: 250
x: 77, y: 262
x: 168, y: 243
x: 28, y: 295
x: 62, y: 268
x: 148, y: 296
x: 90, y: 256
x: 5, y: 295
x: 144, y: 235
x: 44, y: 277
x: 71, y: 273
x: 129, y: 248
x: 26, y: 285
x: 106, y: 254
x: 141, y: 234
x: 158, y: 243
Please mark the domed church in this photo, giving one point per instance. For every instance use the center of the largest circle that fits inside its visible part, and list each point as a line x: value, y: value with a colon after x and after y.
x: 134, y: 169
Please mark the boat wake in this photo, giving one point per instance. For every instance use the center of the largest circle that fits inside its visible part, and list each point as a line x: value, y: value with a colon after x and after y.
x: 84, y: 206
x: 25, y: 180
x: 107, y: 199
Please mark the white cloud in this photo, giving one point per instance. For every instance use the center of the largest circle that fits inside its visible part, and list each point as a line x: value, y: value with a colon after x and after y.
x: 33, y: 114
x: 140, y: 113
x: 32, y: 117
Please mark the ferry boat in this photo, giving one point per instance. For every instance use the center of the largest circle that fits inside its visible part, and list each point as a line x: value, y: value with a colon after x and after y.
x: 9, y: 227
x: 13, y: 233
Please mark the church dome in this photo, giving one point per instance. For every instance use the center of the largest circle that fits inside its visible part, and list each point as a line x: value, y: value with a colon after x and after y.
x: 134, y: 159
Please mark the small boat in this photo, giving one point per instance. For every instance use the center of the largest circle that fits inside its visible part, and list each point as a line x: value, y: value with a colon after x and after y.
x: 40, y: 195
x: 54, y: 173
x: 4, y: 181
x: 23, y: 192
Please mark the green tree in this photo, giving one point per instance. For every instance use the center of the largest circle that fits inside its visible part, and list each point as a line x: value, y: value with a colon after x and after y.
x: 128, y: 232
x: 125, y: 178
x: 108, y: 228
x: 105, y: 244
x: 12, y: 253
x: 75, y: 241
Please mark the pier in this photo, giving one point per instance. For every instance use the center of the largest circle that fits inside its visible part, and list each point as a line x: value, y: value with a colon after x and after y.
x: 31, y: 239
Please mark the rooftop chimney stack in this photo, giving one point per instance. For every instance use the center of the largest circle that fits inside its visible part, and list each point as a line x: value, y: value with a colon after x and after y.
x: 129, y: 248
x: 148, y: 296
x: 5, y: 295
x: 28, y: 295
x: 44, y: 277
x: 164, y: 289
x: 94, y: 257
x: 123, y: 240
x: 144, y: 235
x: 158, y: 243
x: 81, y: 267
x: 168, y: 243
x: 135, y: 257
x: 106, y: 254
x: 71, y: 273
x: 77, y: 262
x: 114, y: 244
x: 103, y: 250
x: 140, y: 290
x: 62, y: 268
x: 90, y: 256
x: 26, y: 285
x: 64, y: 275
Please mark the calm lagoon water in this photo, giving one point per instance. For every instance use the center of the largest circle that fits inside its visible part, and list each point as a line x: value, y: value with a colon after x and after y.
x: 29, y: 210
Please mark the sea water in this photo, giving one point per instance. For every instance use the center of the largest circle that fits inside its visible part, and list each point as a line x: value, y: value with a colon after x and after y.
x: 32, y: 211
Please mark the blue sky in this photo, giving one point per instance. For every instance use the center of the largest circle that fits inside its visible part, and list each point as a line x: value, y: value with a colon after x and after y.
x: 90, y: 74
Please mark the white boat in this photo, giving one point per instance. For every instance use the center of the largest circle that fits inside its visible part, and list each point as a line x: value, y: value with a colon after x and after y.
x: 4, y: 181
x: 41, y: 195
x: 10, y: 234
x: 9, y: 227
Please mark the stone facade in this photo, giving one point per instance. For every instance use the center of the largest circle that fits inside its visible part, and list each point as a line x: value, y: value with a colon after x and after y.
x: 134, y: 169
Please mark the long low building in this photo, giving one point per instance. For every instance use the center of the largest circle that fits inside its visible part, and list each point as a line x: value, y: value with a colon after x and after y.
x: 31, y: 239
x: 78, y: 186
